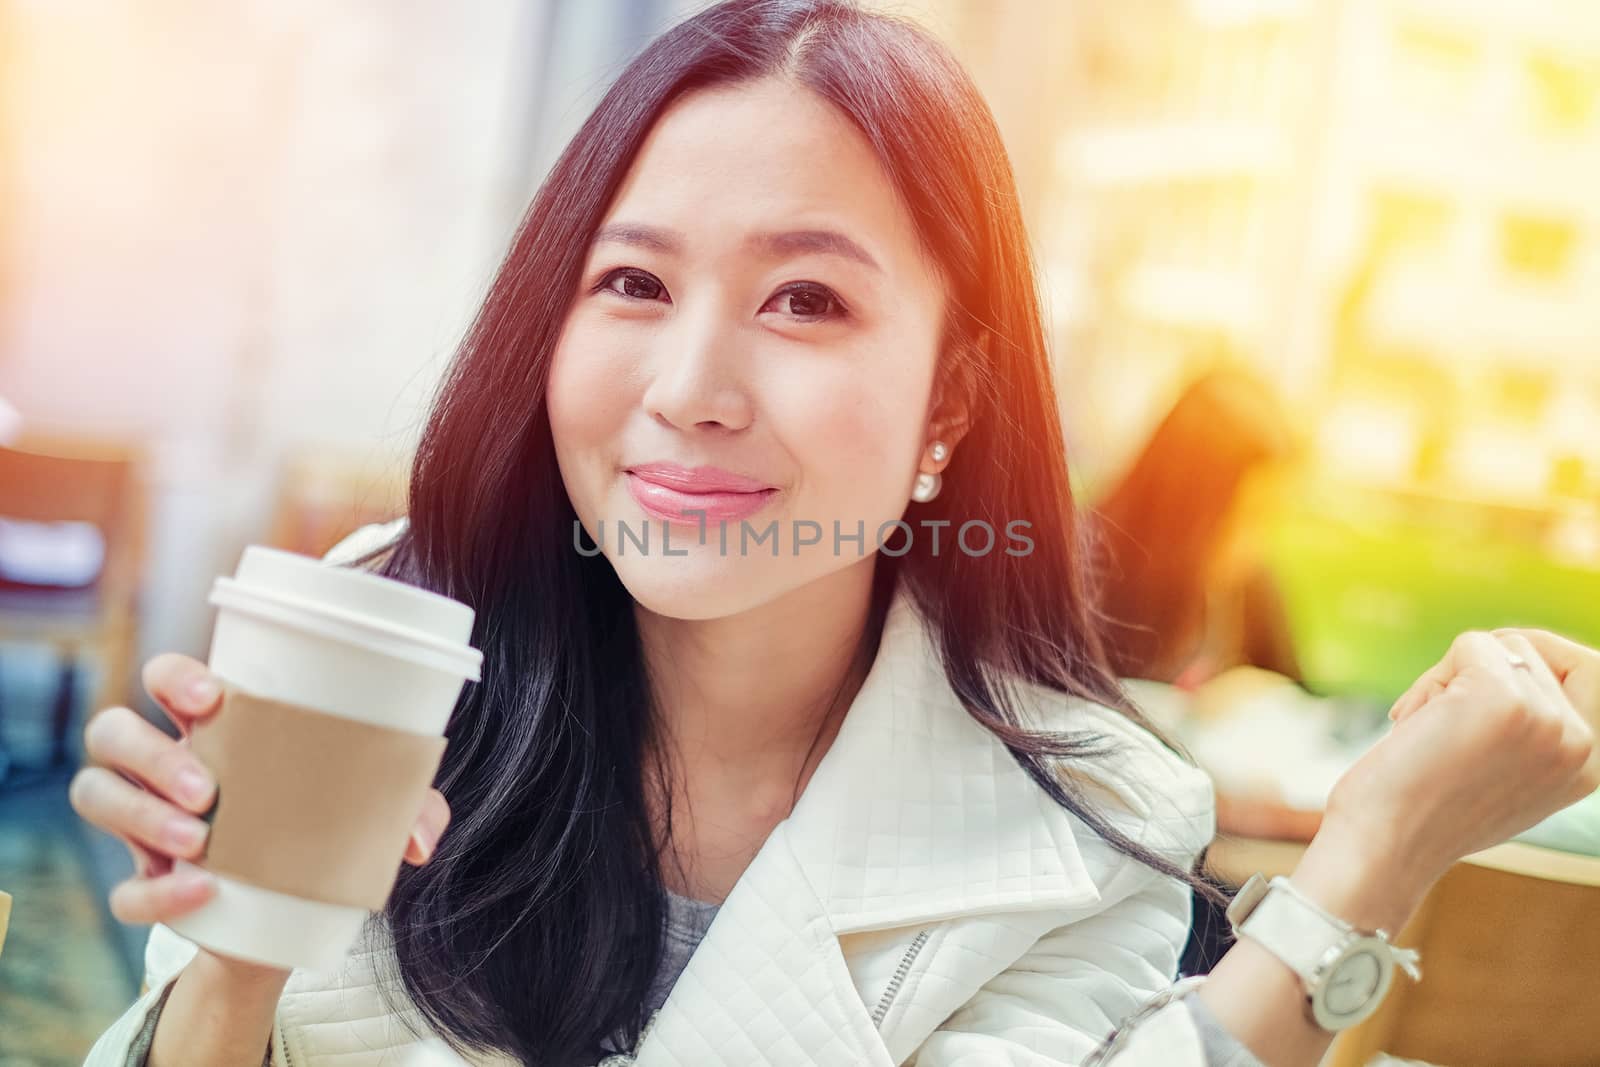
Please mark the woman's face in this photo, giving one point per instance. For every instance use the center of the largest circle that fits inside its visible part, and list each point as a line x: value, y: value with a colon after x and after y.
x: 757, y: 302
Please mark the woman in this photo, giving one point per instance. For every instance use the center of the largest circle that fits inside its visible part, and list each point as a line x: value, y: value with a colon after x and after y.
x: 1185, y: 593
x: 894, y: 797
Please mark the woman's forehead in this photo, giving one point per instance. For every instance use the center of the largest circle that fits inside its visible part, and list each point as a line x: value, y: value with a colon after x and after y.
x: 764, y: 167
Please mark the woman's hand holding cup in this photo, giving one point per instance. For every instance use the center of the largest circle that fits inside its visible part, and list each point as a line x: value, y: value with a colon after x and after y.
x: 151, y: 791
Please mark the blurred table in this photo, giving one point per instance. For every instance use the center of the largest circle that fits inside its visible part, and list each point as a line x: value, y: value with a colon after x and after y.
x: 1234, y: 859
x: 1257, y: 818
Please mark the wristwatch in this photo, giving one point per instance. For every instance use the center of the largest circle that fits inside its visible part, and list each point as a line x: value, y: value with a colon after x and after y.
x: 1345, y: 971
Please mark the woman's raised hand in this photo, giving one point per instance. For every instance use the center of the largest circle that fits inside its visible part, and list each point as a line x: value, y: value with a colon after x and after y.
x: 1496, y: 736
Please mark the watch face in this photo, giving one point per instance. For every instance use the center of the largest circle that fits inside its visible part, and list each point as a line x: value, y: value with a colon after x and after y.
x: 1353, y: 983
x: 1353, y: 986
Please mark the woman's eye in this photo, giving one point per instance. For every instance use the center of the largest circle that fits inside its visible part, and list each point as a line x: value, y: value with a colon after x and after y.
x: 636, y: 284
x: 809, y: 301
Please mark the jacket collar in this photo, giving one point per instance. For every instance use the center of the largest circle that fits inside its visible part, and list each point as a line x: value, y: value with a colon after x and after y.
x: 917, y: 812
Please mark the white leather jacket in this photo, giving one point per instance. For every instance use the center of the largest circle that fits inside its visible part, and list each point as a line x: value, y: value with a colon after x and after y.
x: 925, y: 903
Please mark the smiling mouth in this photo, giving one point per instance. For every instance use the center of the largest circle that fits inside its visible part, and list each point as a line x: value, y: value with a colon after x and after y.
x: 678, y: 504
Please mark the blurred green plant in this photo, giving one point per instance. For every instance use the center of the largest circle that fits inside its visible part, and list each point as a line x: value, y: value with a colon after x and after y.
x: 1375, y: 598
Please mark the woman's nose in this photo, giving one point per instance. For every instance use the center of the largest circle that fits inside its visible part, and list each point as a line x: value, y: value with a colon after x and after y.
x: 698, y: 377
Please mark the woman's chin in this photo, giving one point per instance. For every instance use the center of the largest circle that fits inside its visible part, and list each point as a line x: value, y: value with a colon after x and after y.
x: 701, y: 584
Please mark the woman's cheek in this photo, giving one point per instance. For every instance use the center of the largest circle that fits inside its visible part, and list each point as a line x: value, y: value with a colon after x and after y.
x: 591, y: 386
x: 588, y: 407
x: 863, y: 452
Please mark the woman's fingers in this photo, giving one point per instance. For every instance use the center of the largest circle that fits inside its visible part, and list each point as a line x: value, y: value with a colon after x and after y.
x: 1575, y: 667
x: 1561, y: 654
x: 1485, y: 652
x: 123, y: 739
x: 1572, y: 673
x: 1543, y: 684
x: 431, y: 823
x: 152, y: 900
x: 1427, y: 686
x: 125, y: 750
x: 137, y: 784
x: 1525, y: 710
x: 183, y: 687
x: 116, y: 805
x: 147, y: 864
x: 1468, y: 649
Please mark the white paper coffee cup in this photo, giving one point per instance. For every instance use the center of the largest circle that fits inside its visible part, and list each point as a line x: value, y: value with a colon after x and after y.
x: 345, y: 643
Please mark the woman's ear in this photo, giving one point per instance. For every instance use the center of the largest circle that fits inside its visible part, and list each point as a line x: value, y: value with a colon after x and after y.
x: 951, y: 407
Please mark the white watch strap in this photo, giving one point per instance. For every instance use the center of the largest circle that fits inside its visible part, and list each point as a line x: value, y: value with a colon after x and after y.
x: 1293, y: 929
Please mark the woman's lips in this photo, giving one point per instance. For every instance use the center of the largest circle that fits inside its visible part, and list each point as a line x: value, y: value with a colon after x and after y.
x: 670, y: 505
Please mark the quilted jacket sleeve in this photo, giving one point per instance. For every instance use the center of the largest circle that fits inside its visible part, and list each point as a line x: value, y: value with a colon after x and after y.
x: 165, y: 956
x: 1099, y: 991
x: 125, y: 1042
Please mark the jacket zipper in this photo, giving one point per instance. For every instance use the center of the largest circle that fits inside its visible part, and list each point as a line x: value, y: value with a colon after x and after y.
x: 899, y: 978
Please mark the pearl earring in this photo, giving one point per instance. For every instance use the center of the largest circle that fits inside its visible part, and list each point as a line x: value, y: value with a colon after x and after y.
x: 927, y: 485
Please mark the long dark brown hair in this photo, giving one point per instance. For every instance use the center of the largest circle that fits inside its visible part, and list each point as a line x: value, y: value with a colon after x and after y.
x: 1163, y: 523
x: 535, y: 929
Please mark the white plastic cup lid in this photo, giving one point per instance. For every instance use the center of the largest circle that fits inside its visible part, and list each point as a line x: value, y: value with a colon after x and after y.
x: 357, y: 607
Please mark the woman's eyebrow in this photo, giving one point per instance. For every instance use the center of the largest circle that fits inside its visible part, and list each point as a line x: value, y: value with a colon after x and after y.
x: 780, y: 243
x: 800, y: 242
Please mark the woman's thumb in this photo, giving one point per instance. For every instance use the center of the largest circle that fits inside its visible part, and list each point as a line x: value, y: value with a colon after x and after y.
x: 430, y: 826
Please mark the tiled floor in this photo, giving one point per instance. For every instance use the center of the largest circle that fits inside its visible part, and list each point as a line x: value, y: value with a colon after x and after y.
x: 67, y: 969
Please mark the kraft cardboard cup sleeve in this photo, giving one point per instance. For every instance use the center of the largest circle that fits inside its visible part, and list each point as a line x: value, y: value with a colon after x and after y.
x: 337, y: 685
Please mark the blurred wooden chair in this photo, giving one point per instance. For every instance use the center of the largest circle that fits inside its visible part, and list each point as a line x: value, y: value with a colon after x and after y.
x: 5, y: 918
x: 1509, y: 941
x: 51, y: 479
x: 323, y: 497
